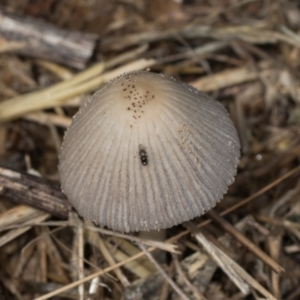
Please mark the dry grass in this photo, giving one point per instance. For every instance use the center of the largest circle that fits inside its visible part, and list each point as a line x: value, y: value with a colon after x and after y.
x: 246, y: 54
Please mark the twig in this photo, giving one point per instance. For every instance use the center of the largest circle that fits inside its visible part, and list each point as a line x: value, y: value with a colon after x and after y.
x: 54, y: 255
x: 131, y: 249
x: 245, y: 241
x: 165, y: 287
x: 135, y: 267
x: 92, y: 276
x: 232, y: 77
x: 183, y: 276
x: 107, y: 256
x: 161, y: 245
x: 41, y: 247
x: 222, y: 260
x: 80, y: 267
x: 43, y: 40
x: 86, y: 81
x: 132, y: 258
x: 4, y: 239
x: 46, y: 118
x: 34, y: 191
x: 237, y: 274
x: 164, y: 274
x: 195, y: 31
x: 240, y: 203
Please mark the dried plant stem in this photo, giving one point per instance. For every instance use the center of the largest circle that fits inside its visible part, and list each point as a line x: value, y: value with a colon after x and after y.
x: 24, y: 257
x: 85, y: 81
x: 108, y: 257
x: 55, y: 258
x: 165, y: 287
x: 37, y: 217
x: 164, y: 274
x: 183, y: 276
x: 92, y: 276
x: 132, y: 258
x: 48, y: 118
x: 33, y: 191
x: 246, y: 242
x: 161, y: 245
x: 131, y: 249
x: 234, y: 207
x: 237, y: 274
x: 80, y: 257
x: 135, y: 267
x: 58, y: 70
x: 41, y: 246
x: 41, y: 100
x: 275, y: 245
x: 240, y: 203
x: 232, y: 77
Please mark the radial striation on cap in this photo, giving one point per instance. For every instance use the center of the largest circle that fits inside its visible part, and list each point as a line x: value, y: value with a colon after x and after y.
x: 148, y: 152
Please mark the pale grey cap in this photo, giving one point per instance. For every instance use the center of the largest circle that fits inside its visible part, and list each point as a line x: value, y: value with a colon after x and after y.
x: 148, y: 152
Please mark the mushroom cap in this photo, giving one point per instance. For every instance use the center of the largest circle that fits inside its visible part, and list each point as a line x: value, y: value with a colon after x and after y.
x: 148, y: 152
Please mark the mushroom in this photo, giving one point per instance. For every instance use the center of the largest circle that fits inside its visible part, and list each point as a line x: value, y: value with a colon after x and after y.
x: 148, y: 152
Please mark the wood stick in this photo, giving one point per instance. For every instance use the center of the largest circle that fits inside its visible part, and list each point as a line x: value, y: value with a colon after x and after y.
x: 43, y: 40
x: 245, y: 241
x: 33, y: 191
x: 235, y: 272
